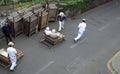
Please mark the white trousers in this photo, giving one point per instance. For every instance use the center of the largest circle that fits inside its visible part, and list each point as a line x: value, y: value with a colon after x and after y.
x: 13, y: 61
x: 61, y: 25
x: 79, y: 36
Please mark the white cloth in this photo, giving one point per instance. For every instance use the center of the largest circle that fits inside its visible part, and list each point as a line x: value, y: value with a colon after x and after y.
x: 81, y: 29
x: 47, y: 32
x: 55, y: 34
x: 12, y: 55
x: 61, y: 25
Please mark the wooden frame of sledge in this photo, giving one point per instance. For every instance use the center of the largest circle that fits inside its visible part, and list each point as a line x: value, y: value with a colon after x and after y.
x: 4, y: 59
x: 50, y: 42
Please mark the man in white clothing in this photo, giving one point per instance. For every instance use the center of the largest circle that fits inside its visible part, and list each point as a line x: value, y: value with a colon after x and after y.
x: 12, y: 55
x: 81, y: 29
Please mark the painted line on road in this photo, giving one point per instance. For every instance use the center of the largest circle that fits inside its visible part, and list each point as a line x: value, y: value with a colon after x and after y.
x: 109, y: 63
x: 45, y: 67
x: 103, y: 27
x: 74, y: 45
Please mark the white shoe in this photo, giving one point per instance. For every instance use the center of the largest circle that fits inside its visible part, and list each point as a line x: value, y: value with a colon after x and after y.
x: 75, y: 40
x: 59, y: 30
x: 11, y: 70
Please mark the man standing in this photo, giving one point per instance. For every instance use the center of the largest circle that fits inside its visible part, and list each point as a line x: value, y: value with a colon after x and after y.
x: 61, y: 18
x: 12, y: 55
x: 81, y: 29
x: 6, y: 29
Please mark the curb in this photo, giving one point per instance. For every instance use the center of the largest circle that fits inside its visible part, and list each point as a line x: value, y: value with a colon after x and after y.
x: 109, y: 63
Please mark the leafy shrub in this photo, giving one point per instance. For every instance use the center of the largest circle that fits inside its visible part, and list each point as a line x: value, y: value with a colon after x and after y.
x: 25, y: 5
x: 78, y: 4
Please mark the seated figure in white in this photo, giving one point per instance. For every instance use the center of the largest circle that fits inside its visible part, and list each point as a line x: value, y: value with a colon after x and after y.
x: 55, y: 34
x: 47, y: 31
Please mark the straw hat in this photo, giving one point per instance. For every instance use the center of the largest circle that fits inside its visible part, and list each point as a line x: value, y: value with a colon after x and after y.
x: 84, y: 20
x: 61, y: 14
x: 10, y: 43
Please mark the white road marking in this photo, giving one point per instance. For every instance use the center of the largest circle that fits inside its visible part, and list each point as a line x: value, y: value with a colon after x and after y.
x: 74, y: 45
x: 46, y: 66
x: 103, y: 27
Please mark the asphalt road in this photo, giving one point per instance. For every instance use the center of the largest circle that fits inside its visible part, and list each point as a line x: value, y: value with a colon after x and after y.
x: 88, y: 56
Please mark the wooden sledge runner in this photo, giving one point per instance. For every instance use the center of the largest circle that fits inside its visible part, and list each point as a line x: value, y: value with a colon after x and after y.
x: 4, y: 59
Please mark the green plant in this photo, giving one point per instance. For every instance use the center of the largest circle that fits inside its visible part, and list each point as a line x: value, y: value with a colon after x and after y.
x: 77, y: 4
x: 28, y: 4
x: 25, y: 5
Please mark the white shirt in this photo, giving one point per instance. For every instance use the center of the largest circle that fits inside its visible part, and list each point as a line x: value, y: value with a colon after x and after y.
x: 82, y: 26
x: 11, y: 51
